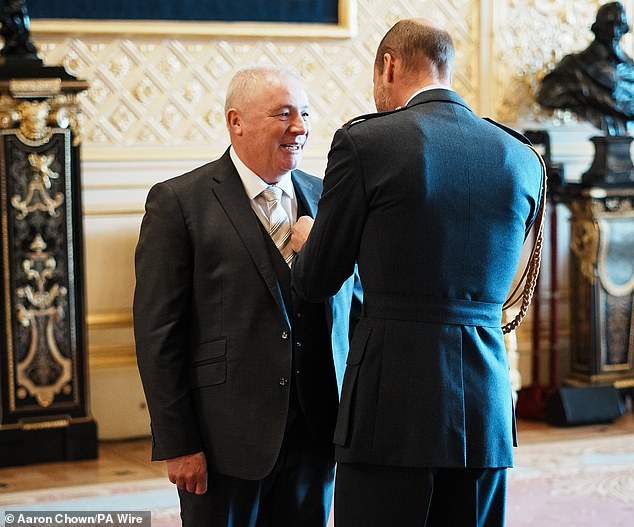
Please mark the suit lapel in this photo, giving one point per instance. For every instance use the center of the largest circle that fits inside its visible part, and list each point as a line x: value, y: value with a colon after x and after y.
x: 231, y: 195
x: 307, y: 194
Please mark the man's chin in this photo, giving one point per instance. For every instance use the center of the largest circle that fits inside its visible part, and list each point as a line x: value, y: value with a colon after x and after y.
x: 293, y: 163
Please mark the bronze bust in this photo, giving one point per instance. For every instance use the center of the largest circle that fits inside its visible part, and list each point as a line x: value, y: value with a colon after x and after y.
x: 15, y: 31
x: 596, y: 84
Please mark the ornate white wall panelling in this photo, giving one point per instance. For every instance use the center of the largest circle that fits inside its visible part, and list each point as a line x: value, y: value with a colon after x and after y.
x: 155, y: 109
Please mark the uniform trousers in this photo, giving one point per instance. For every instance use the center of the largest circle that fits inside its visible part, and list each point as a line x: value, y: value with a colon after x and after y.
x: 377, y: 496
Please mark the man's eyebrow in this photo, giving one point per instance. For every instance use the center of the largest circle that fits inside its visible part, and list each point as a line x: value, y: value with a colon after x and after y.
x: 289, y: 107
x: 280, y: 108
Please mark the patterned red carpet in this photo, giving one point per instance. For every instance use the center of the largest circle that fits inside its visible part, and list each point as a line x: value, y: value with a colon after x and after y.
x: 578, y: 483
x: 575, y: 483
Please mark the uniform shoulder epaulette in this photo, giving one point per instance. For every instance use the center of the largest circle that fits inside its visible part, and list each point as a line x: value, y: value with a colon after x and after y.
x: 367, y: 116
x: 510, y: 131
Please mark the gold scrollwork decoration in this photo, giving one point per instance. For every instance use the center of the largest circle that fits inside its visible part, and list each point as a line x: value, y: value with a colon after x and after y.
x: 65, y: 113
x: 38, y: 197
x: 584, y: 244
x: 44, y: 371
x: 35, y: 120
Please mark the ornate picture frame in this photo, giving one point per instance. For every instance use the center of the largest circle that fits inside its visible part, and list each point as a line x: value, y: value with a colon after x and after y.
x: 345, y: 27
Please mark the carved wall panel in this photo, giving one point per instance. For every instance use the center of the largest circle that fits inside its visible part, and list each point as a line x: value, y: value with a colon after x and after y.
x: 149, y: 93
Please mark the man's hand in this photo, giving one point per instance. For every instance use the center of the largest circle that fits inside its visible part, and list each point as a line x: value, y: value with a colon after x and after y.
x: 189, y: 472
x: 300, y: 232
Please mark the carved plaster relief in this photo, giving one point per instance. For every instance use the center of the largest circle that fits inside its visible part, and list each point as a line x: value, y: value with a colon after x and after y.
x: 166, y: 94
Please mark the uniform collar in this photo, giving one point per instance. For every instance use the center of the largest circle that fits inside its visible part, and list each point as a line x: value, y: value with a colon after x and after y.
x: 427, y: 88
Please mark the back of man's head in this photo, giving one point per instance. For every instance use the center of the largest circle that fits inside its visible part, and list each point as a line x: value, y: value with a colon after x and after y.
x: 420, y: 45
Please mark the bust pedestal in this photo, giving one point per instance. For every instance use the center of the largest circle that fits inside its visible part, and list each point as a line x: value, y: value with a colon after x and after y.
x: 44, y: 411
x: 602, y: 284
x: 612, y: 163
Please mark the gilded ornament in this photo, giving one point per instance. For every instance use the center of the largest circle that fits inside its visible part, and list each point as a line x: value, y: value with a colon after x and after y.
x: 584, y: 244
x: 44, y: 371
x: 7, y: 119
x: 33, y: 120
x: 25, y: 88
x: 38, y: 197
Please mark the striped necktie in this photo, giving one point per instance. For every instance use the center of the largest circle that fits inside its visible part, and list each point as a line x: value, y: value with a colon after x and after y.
x: 279, y: 223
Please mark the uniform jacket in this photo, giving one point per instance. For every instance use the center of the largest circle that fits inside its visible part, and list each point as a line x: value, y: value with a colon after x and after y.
x: 434, y: 203
x: 218, y: 338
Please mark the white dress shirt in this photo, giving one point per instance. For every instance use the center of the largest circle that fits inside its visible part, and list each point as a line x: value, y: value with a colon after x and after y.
x: 254, y: 185
x: 426, y: 88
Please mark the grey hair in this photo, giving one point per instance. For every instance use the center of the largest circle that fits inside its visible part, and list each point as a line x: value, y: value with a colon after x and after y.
x: 246, y: 81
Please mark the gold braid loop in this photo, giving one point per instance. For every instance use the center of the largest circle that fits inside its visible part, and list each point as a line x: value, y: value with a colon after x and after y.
x: 531, y: 271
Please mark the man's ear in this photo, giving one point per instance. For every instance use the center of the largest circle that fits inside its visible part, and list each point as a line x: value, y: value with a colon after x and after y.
x: 388, y: 67
x: 234, y: 122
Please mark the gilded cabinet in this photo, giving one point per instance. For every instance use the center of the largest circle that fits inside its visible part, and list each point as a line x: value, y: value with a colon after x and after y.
x: 44, y: 412
x: 602, y: 285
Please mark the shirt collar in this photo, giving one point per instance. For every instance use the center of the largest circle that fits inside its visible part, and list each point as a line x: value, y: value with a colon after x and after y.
x: 427, y: 88
x: 254, y: 184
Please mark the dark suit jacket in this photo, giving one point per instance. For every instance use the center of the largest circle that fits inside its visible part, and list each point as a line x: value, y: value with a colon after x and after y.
x: 216, y: 342
x: 434, y: 203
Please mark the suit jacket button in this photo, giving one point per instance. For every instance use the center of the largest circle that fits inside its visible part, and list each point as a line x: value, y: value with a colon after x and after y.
x: 298, y: 344
x: 283, y: 381
x: 284, y: 335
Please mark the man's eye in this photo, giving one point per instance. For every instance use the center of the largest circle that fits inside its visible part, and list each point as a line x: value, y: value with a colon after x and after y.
x: 284, y: 115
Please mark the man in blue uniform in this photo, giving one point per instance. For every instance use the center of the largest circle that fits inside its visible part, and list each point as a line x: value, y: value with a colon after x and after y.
x: 434, y: 204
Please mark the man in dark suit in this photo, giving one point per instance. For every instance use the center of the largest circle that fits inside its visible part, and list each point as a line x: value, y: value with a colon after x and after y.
x: 434, y: 203
x: 238, y: 372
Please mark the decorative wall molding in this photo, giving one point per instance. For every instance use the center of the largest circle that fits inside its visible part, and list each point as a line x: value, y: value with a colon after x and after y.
x: 109, y: 319
x: 162, y: 97
x: 107, y: 348
x: 108, y: 356
x: 345, y: 28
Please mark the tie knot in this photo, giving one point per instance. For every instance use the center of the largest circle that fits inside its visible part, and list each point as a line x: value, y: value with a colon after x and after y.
x: 272, y: 193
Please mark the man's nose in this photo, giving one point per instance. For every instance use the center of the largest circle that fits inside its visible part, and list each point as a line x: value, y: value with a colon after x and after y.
x: 299, y: 125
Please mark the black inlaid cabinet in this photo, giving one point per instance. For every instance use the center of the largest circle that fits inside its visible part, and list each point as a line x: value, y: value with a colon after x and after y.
x: 44, y: 410
x: 602, y: 284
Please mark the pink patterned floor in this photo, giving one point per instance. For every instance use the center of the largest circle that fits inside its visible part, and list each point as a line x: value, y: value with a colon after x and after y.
x: 578, y: 483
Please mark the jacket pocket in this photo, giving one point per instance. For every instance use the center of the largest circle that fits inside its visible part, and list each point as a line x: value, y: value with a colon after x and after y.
x: 348, y: 395
x: 210, y: 368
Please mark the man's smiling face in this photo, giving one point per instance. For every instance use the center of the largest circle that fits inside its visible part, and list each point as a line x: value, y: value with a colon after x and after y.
x: 274, y: 125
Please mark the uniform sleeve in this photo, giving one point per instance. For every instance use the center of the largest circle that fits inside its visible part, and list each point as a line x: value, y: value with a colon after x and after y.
x: 540, y: 195
x: 162, y: 300
x: 330, y: 253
